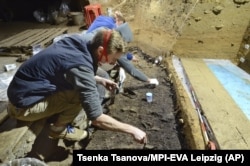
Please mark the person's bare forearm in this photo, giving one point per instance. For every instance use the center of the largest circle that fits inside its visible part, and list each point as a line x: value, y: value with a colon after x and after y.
x: 108, y: 123
x: 99, y: 79
x: 108, y: 84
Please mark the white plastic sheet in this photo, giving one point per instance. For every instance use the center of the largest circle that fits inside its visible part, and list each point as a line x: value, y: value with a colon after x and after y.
x: 5, y: 79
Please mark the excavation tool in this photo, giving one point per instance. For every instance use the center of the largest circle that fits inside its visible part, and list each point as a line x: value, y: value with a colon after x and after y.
x: 208, y: 135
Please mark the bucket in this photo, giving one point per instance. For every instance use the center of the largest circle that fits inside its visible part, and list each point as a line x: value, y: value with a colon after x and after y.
x: 91, y: 12
x: 77, y: 18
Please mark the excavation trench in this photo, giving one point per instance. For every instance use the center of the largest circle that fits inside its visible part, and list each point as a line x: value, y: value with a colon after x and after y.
x: 161, y: 119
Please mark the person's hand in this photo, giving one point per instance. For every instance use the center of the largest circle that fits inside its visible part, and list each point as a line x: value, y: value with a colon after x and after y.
x: 109, y: 84
x: 140, y: 136
x: 153, y: 81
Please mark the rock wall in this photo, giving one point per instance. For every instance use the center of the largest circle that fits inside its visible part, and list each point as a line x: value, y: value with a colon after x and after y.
x: 155, y: 23
x: 186, y: 28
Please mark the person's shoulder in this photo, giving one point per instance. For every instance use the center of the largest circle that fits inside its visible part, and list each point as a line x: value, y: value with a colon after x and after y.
x: 75, y: 36
x: 105, y: 18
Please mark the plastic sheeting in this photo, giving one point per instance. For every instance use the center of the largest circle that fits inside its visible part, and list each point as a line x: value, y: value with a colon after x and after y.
x: 5, y: 79
x: 235, y: 80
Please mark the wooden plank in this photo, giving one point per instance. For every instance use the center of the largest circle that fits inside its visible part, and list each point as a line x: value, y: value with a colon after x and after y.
x: 42, y: 36
x: 50, y: 38
x: 23, y: 41
x: 4, y: 43
x: 33, y: 33
x: 37, y: 35
x: 11, y: 54
x: 30, y: 37
x: 17, y: 39
x: 49, y: 33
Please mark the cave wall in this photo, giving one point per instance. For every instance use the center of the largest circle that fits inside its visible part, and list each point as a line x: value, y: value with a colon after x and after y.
x: 214, y: 30
x: 155, y: 23
x: 186, y: 28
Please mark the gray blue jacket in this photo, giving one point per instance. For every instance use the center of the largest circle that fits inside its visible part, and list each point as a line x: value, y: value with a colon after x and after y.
x: 64, y: 65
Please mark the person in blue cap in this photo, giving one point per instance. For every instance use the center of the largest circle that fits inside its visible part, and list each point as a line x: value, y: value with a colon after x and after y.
x: 117, y: 22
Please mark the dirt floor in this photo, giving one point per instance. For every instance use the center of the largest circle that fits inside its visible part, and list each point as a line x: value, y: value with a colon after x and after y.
x: 158, y: 118
x: 190, y: 30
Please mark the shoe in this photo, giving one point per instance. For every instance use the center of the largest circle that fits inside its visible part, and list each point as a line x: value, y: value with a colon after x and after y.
x: 69, y: 133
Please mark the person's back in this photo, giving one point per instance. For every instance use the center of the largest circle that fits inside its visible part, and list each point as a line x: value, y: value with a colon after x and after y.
x: 102, y: 21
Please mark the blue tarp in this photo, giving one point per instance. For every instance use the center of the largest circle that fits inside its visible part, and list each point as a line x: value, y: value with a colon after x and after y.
x: 235, y: 80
